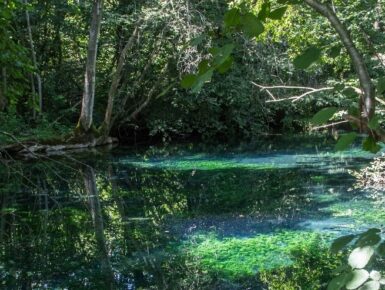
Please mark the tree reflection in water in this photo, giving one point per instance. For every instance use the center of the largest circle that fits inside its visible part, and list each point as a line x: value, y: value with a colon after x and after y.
x: 115, y: 225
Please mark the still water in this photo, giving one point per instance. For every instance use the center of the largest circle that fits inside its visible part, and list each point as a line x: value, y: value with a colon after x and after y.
x: 175, y: 217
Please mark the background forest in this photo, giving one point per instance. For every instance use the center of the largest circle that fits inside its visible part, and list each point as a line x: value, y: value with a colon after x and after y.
x: 43, y: 51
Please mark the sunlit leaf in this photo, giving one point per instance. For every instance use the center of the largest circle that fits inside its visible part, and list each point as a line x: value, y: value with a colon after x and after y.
x: 311, y: 55
x: 323, y: 115
x: 360, y: 257
x: 371, y: 285
x: 357, y: 278
x: 375, y: 275
x: 345, y: 141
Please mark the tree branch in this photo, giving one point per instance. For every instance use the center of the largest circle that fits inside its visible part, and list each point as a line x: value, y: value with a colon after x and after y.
x: 309, y: 91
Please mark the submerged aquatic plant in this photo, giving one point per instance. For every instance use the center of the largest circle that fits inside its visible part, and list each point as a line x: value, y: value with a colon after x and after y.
x: 239, y: 257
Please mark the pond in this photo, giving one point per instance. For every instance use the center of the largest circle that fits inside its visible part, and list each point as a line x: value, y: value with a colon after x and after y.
x: 176, y: 217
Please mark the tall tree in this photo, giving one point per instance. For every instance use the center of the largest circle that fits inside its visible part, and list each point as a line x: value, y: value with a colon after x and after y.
x: 86, y: 115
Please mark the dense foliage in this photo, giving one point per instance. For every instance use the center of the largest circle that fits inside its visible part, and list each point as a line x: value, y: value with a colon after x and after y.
x: 47, y: 41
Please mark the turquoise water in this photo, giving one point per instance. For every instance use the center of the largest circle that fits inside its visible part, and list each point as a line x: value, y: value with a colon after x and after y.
x: 176, y: 217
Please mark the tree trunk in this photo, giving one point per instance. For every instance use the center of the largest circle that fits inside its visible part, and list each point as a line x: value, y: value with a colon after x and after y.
x: 368, y: 100
x: 107, y: 124
x: 97, y: 220
x: 34, y: 62
x: 85, y: 119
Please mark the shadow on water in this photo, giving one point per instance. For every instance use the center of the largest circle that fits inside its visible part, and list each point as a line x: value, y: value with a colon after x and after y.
x: 169, y: 220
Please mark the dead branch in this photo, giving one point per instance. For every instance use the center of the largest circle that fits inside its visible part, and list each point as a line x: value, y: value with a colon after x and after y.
x: 274, y: 99
x: 329, y: 125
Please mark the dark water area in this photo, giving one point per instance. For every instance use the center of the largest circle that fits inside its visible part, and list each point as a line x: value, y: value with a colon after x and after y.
x: 175, y: 217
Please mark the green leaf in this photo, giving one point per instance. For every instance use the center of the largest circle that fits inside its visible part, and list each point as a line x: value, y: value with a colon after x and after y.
x: 278, y: 13
x: 371, y: 285
x: 188, y: 81
x: 265, y: 10
x: 371, y: 145
x: 381, y: 249
x: 337, y: 283
x: 356, y: 279
x: 381, y: 85
x: 341, y: 242
x: 203, y: 66
x: 311, y: 55
x: 224, y: 67
x: 345, y: 141
x: 369, y: 238
x: 323, y: 115
x: 353, y: 110
x: 360, y: 257
x: 221, y: 54
x: 350, y: 93
x: 232, y: 18
x: 251, y: 25
x: 201, y: 80
x: 374, y: 122
x: 339, y: 87
x: 335, y: 51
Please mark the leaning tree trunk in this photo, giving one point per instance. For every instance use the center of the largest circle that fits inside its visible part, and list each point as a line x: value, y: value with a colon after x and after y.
x: 368, y: 101
x: 107, y: 123
x: 85, y: 119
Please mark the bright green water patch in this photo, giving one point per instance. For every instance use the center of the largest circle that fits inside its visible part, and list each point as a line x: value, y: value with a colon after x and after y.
x: 361, y: 211
x: 327, y: 160
x: 204, y: 165
x: 241, y: 257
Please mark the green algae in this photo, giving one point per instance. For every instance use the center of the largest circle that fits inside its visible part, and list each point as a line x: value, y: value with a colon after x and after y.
x: 203, y: 165
x: 325, y: 160
x: 237, y: 258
